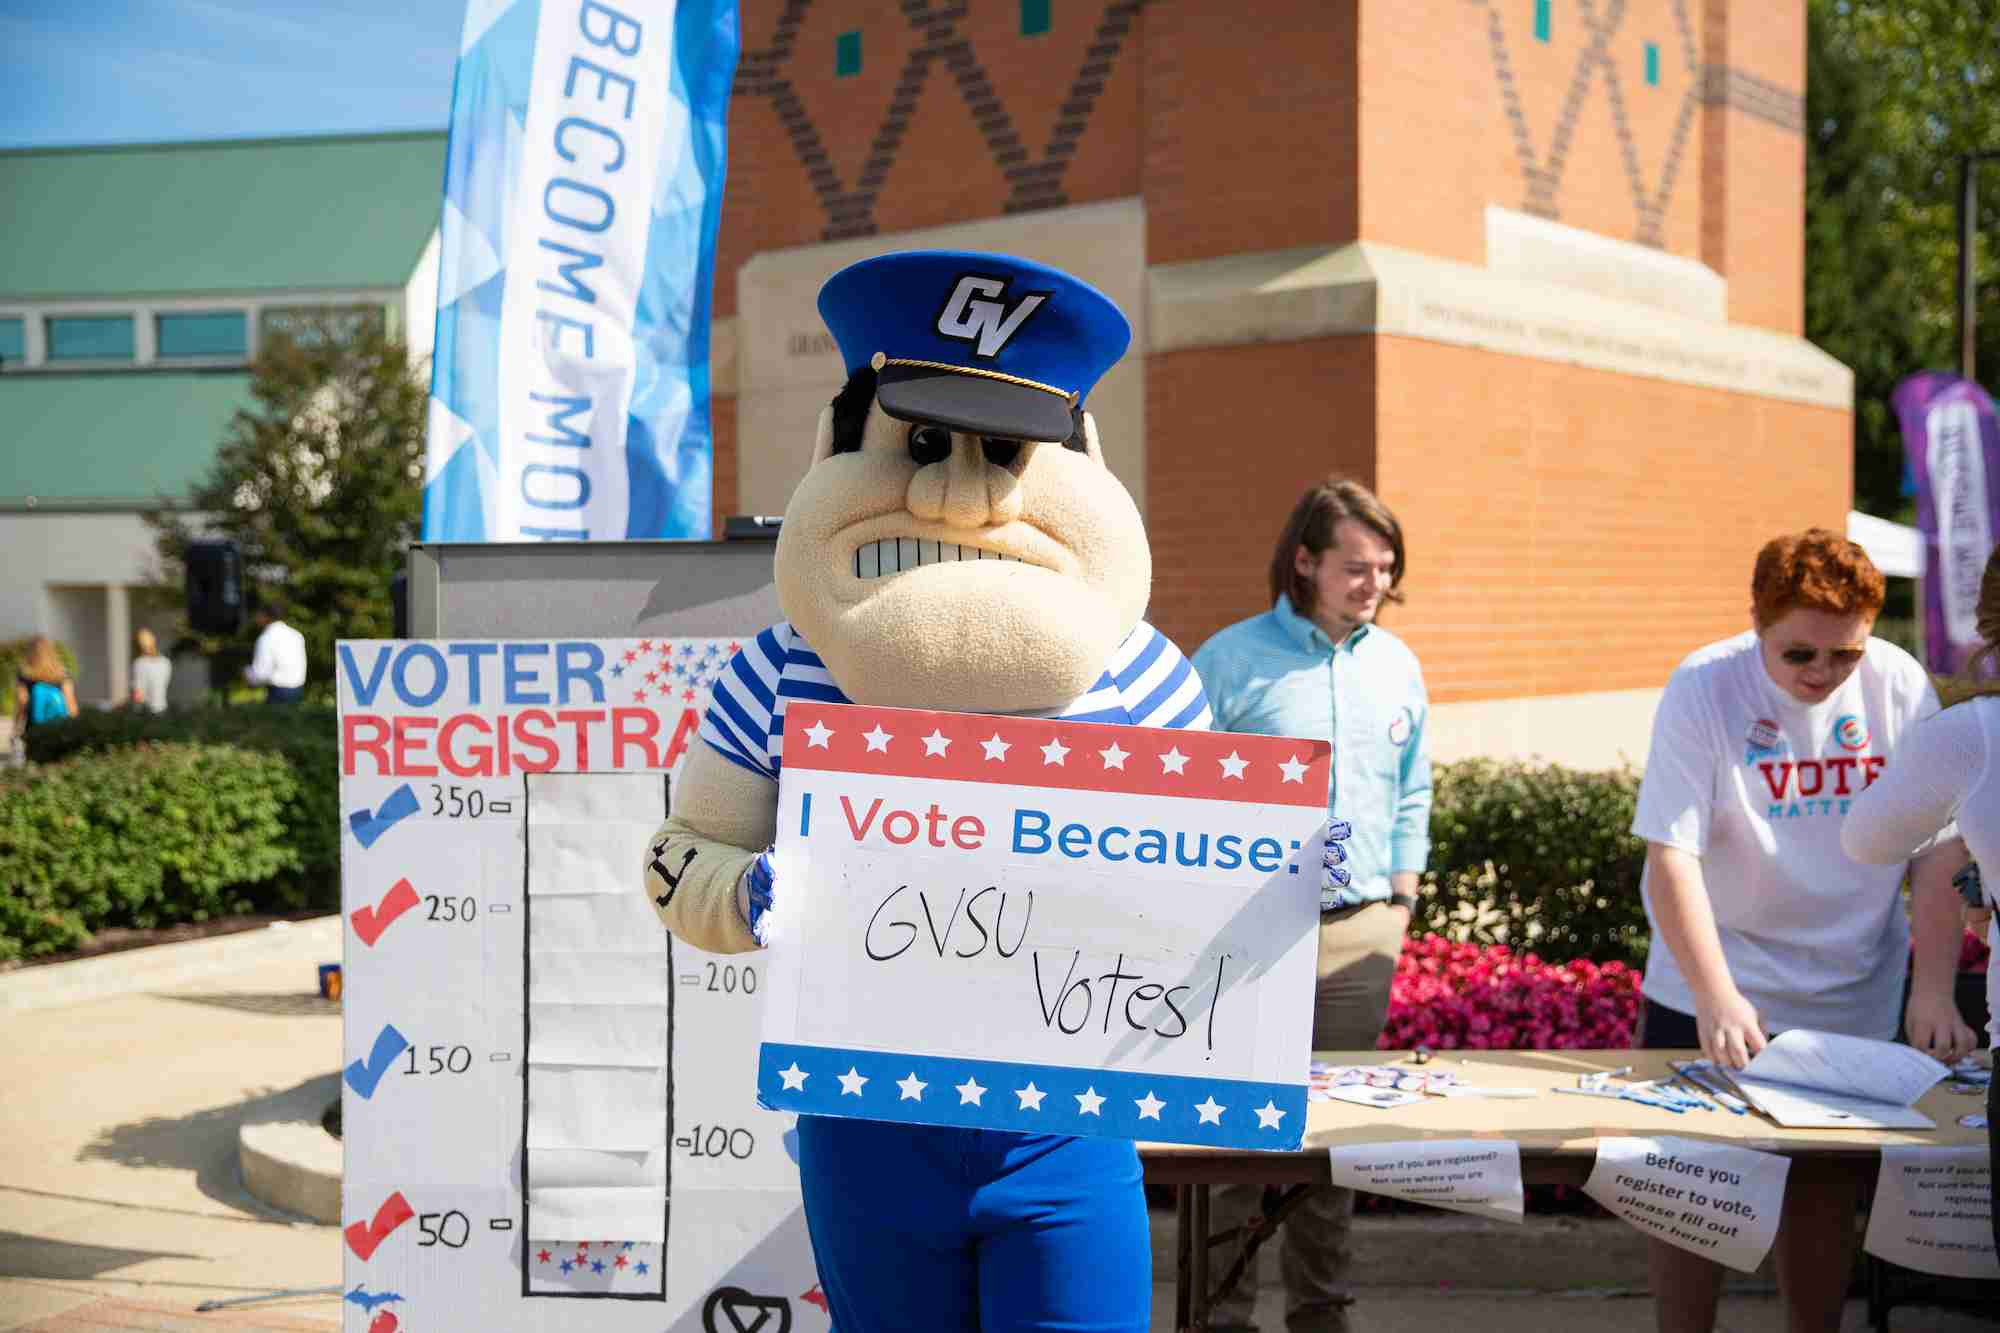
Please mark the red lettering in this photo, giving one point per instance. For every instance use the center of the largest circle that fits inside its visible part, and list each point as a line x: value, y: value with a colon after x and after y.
x: 412, y: 734
x: 932, y: 818
x: 481, y: 765
x: 967, y: 832
x: 1777, y: 780
x: 1810, y: 769
x: 352, y: 742
x: 580, y: 720
x: 1842, y: 765
x: 1871, y: 765
x: 909, y: 822
x: 526, y: 739
x: 690, y: 725
x: 860, y: 830
x: 635, y: 726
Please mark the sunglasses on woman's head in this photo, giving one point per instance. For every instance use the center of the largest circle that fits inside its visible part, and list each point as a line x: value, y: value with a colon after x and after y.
x: 1840, y: 657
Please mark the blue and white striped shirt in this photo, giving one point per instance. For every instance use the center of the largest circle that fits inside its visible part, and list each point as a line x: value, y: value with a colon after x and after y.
x: 1146, y: 684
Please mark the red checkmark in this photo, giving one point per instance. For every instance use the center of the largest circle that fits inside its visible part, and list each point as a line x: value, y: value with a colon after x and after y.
x: 363, y: 1237
x: 370, y: 922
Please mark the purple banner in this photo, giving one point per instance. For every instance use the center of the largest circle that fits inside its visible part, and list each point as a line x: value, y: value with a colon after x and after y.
x: 1951, y: 435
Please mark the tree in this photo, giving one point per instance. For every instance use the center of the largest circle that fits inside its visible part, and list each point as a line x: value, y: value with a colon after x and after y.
x: 1896, y: 90
x: 320, y: 482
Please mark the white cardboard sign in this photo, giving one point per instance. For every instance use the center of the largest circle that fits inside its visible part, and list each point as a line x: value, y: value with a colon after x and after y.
x: 1934, y: 1211
x: 546, y: 1100
x: 1477, y: 1176
x: 1711, y: 1199
x: 1044, y: 926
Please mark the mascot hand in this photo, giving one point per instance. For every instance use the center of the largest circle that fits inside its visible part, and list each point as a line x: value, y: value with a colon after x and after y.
x: 1333, y: 880
x: 753, y: 894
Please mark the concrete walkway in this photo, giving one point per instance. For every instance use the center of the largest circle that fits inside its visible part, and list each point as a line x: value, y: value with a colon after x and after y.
x: 121, y: 1206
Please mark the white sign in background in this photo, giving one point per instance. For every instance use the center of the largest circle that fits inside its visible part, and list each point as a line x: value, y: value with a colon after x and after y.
x: 1477, y: 1176
x: 1711, y: 1199
x: 1100, y: 957
x: 508, y: 1000
x: 1933, y: 1211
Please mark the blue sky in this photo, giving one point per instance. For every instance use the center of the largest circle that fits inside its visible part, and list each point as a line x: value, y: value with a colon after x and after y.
x: 141, y: 71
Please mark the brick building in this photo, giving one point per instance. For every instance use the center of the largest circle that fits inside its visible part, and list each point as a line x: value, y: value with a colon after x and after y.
x: 1533, y: 269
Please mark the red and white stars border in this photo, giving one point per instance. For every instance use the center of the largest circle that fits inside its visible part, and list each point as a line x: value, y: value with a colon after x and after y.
x: 1074, y: 756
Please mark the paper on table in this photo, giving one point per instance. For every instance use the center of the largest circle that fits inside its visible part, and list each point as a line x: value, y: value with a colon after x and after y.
x: 1876, y: 1071
x: 1707, y: 1198
x: 1362, y: 1095
x: 1933, y: 1211
x: 1810, y: 1108
x: 1477, y: 1176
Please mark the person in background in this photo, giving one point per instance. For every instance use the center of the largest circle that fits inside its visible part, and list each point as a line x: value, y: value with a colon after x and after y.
x: 1318, y: 665
x: 1948, y: 771
x: 43, y: 691
x: 150, y: 674
x: 1761, y: 745
x: 278, y: 662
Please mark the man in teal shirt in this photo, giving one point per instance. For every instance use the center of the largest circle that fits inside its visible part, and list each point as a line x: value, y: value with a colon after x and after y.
x: 1317, y: 665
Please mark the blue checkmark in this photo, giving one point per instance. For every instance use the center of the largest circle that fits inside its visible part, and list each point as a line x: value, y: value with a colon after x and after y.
x: 370, y: 825
x: 363, y: 1075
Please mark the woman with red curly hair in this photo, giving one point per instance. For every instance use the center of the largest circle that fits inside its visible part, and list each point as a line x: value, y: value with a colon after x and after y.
x: 1760, y: 921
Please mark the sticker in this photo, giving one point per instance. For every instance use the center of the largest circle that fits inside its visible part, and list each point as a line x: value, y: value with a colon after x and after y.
x: 1972, y: 1121
x: 1851, y: 732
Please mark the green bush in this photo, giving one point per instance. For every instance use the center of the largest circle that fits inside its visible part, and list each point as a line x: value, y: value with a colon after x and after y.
x: 305, y: 736
x: 11, y: 655
x: 142, y: 836
x: 1536, y: 857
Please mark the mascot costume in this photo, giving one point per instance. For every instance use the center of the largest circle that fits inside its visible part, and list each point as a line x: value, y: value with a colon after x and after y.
x: 957, y: 544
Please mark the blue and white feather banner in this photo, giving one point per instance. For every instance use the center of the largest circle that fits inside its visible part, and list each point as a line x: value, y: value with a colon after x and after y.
x: 583, y: 184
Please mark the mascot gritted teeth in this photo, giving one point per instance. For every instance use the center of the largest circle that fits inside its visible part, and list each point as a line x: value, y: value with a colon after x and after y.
x: 895, y: 555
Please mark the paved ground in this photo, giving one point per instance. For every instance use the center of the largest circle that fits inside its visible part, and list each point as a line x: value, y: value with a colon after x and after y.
x: 120, y: 1205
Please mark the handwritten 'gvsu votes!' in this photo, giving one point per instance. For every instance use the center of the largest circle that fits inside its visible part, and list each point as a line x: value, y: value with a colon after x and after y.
x: 1068, y: 1003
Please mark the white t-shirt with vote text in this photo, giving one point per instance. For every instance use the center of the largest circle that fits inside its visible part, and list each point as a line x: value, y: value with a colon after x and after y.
x: 1756, y: 784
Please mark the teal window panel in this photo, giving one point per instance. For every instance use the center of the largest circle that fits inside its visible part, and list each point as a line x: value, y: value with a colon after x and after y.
x: 204, y: 333
x: 1034, y: 17
x: 1653, y: 63
x: 13, y: 340
x: 847, y: 54
x: 1542, y: 20
x: 91, y: 338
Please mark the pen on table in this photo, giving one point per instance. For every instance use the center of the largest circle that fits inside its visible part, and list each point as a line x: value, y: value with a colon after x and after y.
x: 1694, y: 1073
x: 1624, y: 1095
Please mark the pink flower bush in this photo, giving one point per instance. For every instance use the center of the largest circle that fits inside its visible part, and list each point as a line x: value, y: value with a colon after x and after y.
x: 1973, y: 953
x: 1449, y: 995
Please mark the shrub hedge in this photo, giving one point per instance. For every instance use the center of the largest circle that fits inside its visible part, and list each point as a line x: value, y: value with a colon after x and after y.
x: 1536, y: 856
x: 304, y: 736
x: 143, y: 836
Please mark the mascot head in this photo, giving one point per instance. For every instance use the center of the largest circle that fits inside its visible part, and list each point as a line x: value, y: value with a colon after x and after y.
x: 958, y: 542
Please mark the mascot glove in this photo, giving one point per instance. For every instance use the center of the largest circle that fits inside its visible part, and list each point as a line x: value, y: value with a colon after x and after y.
x: 753, y: 894
x: 1334, y: 893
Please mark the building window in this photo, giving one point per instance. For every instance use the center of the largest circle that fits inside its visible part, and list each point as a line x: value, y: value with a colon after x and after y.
x: 1653, y: 63
x: 1034, y: 17
x: 1541, y: 20
x: 13, y: 341
x: 208, y: 333
x: 847, y: 54
x: 91, y: 338
x: 310, y: 325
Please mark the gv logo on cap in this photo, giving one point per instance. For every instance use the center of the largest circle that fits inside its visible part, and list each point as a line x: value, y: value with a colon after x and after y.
x: 977, y: 314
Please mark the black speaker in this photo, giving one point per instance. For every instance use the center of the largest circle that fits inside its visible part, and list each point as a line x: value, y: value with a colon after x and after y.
x: 214, y: 586
x: 399, y: 603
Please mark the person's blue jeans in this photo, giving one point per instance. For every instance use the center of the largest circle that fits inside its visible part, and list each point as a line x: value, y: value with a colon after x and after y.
x: 283, y: 694
x: 924, y: 1229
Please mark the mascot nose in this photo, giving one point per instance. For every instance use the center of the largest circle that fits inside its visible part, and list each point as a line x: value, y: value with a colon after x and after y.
x: 971, y: 487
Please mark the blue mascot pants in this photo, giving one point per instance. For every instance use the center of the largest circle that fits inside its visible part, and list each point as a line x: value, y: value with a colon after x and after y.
x: 937, y: 1230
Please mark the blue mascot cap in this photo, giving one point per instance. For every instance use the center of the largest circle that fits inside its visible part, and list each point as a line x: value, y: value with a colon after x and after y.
x: 984, y: 344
